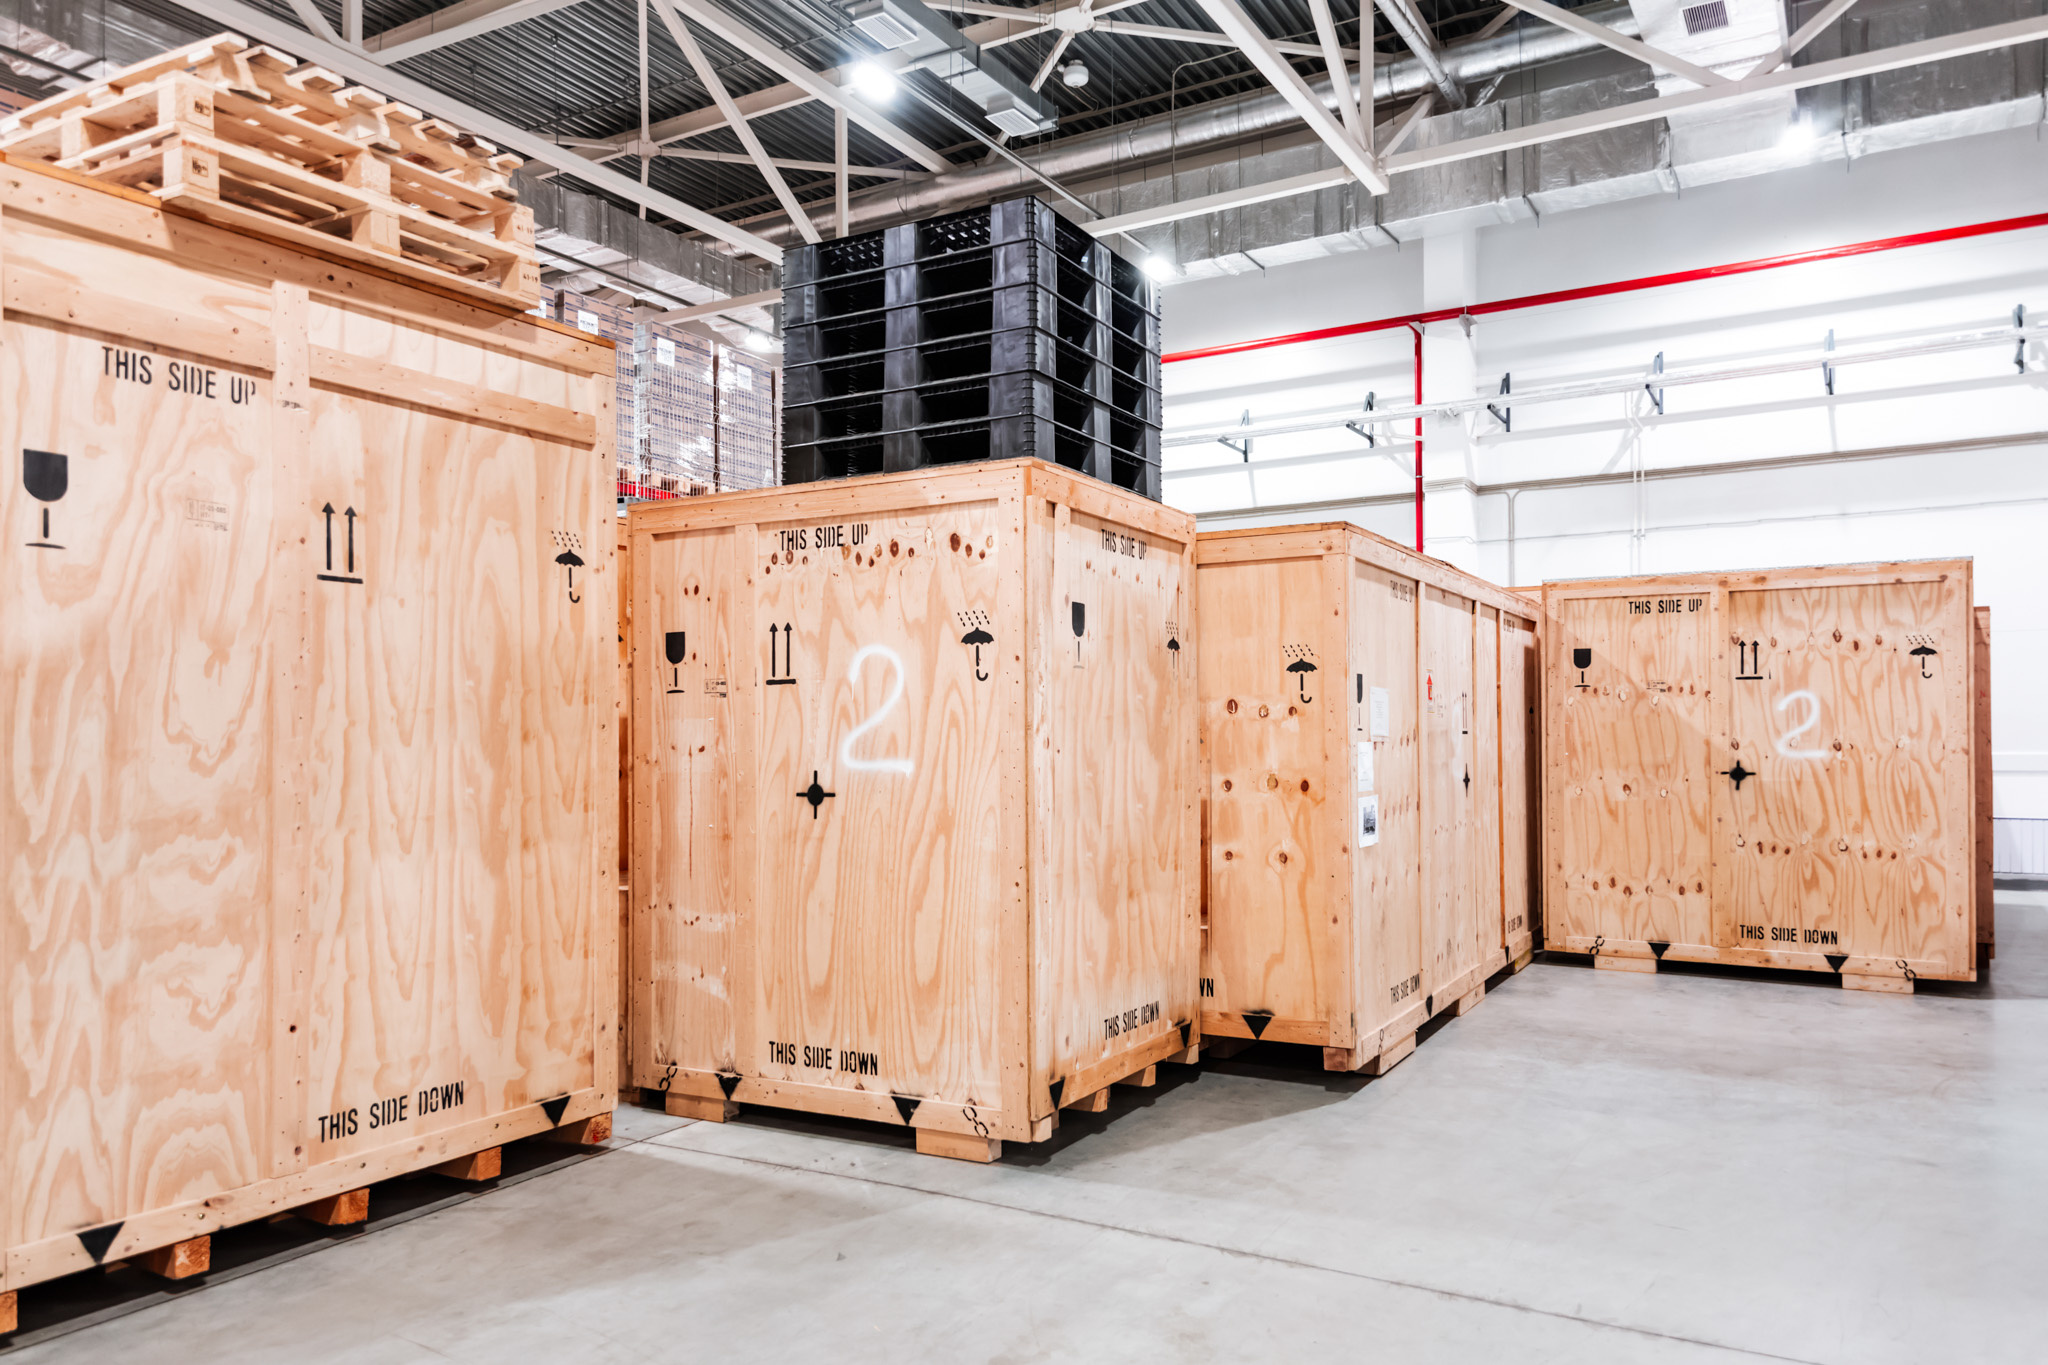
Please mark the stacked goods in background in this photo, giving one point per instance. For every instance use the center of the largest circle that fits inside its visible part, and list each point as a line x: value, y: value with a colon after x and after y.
x: 914, y: 799
x: 615, y: 323
x: 747, y: 454
x: 997, y: 332
x: 309, y: 843
x: 251, y: 138
x: 1775, y: 768
x: 1369, y: 724
x: 678, y: 411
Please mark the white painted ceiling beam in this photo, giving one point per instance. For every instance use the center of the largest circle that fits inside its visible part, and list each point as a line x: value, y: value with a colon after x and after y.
x: 1416, y: 34
x: 1989, y: 39
x: 1198, y: 37
x: 708, y: 76
x: 453, y: 24
x: 1628, y: 47
x: 1340, y: 74
x: 358, y: 66
x: 1216, y: 203
x: 1808, y: 31
x: 1229, y: 16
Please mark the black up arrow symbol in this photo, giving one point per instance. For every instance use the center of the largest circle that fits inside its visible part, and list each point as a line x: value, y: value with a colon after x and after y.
x: 351, y: 515
x: 328, y: 510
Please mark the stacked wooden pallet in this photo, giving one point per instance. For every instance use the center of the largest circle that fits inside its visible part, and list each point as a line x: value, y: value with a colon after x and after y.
x: 253, y: 139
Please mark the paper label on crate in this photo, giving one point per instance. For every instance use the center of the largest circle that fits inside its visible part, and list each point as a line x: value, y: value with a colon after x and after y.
x: 1368, y: 821
x: 665, y: 351
x: 586, y: 321
x: 1379, y: 726
x: 1362, y: 764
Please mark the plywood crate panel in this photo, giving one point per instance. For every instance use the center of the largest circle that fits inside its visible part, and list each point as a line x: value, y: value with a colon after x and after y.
x: 914, y: 797
x: 1771, y: 768
x: 309, y: 858
x: 1368, y: 716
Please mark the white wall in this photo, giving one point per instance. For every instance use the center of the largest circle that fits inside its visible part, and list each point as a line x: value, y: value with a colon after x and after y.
x: 1946, y: 451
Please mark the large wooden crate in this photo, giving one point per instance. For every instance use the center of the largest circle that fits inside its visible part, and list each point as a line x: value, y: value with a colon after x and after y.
x: 914, y: 802
x: 1775, y: 769
x: 309, y: 839
x: 1368, y: 720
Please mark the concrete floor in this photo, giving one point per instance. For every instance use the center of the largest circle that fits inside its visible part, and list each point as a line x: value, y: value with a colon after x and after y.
x: 1592, y: 1167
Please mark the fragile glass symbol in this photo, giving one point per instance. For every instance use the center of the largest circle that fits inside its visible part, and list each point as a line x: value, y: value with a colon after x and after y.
x: 47, y: 477
x: 1080, y: 627
x: 674, y: 645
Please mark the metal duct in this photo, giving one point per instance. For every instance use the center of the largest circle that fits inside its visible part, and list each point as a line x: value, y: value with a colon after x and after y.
x: 1208, y: 125
x: 594, y: 231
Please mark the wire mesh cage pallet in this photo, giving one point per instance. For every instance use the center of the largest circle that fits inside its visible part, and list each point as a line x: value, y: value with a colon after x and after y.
x: 998, y: 332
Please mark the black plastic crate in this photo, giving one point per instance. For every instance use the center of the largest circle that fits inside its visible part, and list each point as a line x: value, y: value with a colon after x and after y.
x: 1126, y: 319
x: 816, y: 342
x: 1139, y: 440
x: 999, y: 310
x: 832, y: 379
x: 1003, y: 395
x: 1131, y: 395
x: 834, y: 299
x: 1134, y: 360
x: 827, y: 260
x: 832, y: 459
x: 1130, y: 283
x: 813, y: 422
x: 1128, y: 471
x: 1016, y: 350
x: 997, y: 438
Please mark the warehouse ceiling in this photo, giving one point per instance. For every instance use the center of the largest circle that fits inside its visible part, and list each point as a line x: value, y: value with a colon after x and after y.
x: 1189, y: 108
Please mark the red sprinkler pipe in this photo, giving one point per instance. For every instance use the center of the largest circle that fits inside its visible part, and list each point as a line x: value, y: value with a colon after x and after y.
x: 1594, y: 291
x: 1418, y: 441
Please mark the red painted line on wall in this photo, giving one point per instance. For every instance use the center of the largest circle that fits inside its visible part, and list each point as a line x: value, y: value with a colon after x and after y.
x: 1594, y: 291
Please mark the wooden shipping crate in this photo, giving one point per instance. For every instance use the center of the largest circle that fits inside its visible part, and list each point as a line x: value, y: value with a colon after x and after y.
x: 622, y: 706
x: 1768, y: 768
x: 309, y: 846
x: 1368, y: 720
x: 914, y: 804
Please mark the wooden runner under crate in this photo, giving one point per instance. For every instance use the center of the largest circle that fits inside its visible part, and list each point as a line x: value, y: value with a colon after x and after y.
x: 253, y: 139
x: 309, y: 836
x: 1368, y: 719
x: 914, y: 799
x: 1771, y: 768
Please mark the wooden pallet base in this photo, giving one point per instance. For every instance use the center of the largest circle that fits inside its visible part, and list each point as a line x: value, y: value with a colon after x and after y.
x: 338, y: 1210
x: 710, y: 1098
x: 179, y: 1260
x: 588, y: 1132
x: 10, y: 1312
x: 1527, y: 956
x: 477, y: 1166
x: 1855, y: 973
x: 959, y: 1146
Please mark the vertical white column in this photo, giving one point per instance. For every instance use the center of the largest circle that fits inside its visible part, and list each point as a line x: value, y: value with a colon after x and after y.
x: 1450, y: 279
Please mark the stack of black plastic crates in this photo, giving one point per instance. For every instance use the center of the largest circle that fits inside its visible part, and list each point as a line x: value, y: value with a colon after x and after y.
x: 998, y: 332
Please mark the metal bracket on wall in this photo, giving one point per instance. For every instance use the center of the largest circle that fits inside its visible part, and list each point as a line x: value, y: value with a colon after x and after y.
x: 1243, y: 447
x: 1827, y: 371
x: 1656, y: 393
x: 1363, y: 426
x: 1502, y: 414
x: 2019, y: 349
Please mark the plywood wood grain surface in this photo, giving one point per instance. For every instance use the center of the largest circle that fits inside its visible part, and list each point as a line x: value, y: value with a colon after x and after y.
x: 310, y: 863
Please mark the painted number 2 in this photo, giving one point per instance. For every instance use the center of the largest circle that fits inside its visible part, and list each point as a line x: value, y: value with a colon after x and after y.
x: 1785, y: 744
x: 847, y: 761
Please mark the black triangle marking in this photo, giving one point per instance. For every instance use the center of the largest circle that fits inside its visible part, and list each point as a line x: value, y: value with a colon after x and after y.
x: 1657, y: 950
x: 96, y: 1241
x: 1428, y: 1006
x: 906, y: 1105
x: 1256, y: 1021
x: 1836, y: 960
x: 1187, y: 1035
x: 728, y: 1081
x: 553, y: 1108
x: 1059, y: 1093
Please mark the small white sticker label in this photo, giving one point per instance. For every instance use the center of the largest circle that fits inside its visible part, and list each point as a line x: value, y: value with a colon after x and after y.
x: 665, y: 351
x: 1368, y: 821
x: 1362, y: 764
x: 1380, y: 726
x: 586, y: 321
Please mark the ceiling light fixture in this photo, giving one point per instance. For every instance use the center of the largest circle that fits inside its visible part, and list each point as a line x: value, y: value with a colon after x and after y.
x: 758, y: 341
x: 1159, y: 268
x: 1074, y: 74
x: 871, y: 80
